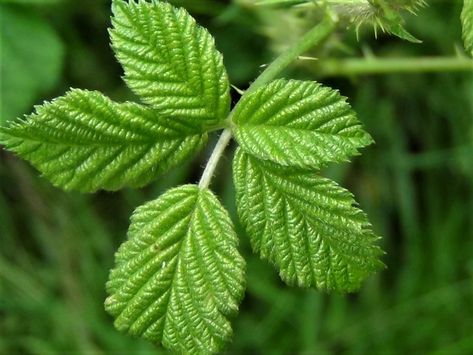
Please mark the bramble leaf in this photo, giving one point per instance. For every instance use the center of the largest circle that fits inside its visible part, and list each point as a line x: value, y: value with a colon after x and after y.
x: 84, y: 141
x: 298, y: 123
x: 180, y: 274
x: 170, y: 61
x: 308, y: 226
x: 467, y: 23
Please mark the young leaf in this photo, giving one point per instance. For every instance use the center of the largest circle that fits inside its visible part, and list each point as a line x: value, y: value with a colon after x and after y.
x: 389, y: 18
x: 397, y: 29
x: 170, y: 61
x: 467, y: 23
x: 86, y: 142
x: 180, y: 274
x: 308, y: 226
x: 385, y: 15
x: 298, y: 123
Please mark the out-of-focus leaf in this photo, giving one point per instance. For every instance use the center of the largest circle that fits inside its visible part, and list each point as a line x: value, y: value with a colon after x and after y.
x: 33, y: 2
x: 31, y: 58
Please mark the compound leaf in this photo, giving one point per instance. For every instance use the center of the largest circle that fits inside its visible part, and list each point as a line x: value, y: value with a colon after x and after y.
x: 308, y: 226
x: 170, y: 61
x: 298, y: 123
x: 180, y: 274
x: 86, y: 142
x: 467, y: 23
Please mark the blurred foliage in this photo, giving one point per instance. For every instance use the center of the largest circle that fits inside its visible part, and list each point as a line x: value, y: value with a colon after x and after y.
x: 415, y: 184
x: 25, y: 66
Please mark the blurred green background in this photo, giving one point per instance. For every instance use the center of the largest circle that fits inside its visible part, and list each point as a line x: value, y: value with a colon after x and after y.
x: 416, y: 184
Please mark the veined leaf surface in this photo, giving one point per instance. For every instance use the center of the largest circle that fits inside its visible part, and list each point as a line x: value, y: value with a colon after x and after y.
x: 170, y: 61
x: 298, y: 123
x: 179, y: 275
x: 467, y: 24
x: 308, y: 226
x: 84, y: 141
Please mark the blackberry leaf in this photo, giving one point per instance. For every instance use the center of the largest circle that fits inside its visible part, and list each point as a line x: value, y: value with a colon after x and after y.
x: 308, y: 226
x: 298, y: 123
x: 179, y: 275
x: 467, y: 23
x: 170, y: 61
x: 84, y: 141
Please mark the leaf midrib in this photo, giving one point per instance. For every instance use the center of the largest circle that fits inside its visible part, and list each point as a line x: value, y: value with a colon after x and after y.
x: 179, y: 257
x: 253, y: 127
x: 106, y: 144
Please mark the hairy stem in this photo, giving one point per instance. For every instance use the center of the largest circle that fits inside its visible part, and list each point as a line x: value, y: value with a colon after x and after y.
x: 360, y: 66
x: 310, y: 39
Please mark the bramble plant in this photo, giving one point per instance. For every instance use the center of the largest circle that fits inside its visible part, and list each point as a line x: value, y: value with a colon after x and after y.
x: 179, y: 276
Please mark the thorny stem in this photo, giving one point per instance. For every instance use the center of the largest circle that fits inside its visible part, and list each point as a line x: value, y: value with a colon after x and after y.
x: 310, y: 39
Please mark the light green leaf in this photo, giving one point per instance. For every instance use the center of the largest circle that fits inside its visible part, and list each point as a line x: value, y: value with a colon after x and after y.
x: 86, y: 142
x: 170, y: 61
x: 308, y: 226
x: 467, y: 23
x: 397, y: 29
x: 387, y: 16
x: 179, y: 275
x: 298, y: 123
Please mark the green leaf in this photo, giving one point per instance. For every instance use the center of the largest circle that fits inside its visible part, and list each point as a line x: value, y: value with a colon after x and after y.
x: 86, y: 142
x: 298, y: 123
x: 308, y: 226
x: 387, y: 15
x: 179, y: 275
x: 397, y: 29
x: 27, y: 70
x: 170, y: 61
x: 467, y: 23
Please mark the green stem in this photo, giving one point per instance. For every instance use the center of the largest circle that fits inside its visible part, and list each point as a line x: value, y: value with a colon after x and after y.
x: 361, y: 66
x: 310, y: 39
x: 217, y: 153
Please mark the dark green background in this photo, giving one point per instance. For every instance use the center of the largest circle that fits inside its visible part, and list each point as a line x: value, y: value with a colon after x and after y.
x: 416, y: 184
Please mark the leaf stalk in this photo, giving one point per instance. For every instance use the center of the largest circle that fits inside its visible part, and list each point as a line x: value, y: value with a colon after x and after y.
x: 217, y: 153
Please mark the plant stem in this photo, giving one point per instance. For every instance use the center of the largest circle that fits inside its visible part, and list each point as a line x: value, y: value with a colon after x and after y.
x: 311, y: 38
x: 222, y: 143
x: 360, y: 66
